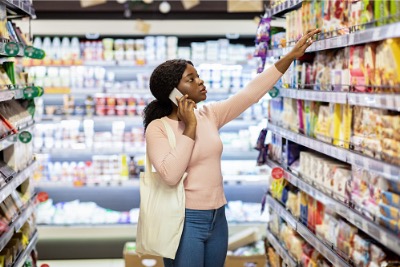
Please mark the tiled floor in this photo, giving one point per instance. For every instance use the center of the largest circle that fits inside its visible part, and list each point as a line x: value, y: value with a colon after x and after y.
x: 84, y: 263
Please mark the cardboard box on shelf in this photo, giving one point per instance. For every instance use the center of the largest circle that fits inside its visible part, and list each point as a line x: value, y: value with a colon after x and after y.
x: 244, y: 261
x: 244, y: 238
x: 133, y: 260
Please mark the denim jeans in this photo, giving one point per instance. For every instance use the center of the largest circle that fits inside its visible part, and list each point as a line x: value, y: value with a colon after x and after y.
x: 204, y: 240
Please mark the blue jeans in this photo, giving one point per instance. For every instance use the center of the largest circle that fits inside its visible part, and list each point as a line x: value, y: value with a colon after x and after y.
x: 204, y: 240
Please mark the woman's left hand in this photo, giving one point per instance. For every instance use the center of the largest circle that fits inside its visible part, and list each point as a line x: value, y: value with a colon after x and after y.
x: 300, y: 48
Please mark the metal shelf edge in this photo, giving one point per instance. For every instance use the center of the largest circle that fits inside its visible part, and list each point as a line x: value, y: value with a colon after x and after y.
x: 16, y: 181
x: 280, y: 249
x: 387, y: 170
x: 381, y: 234
x: 24, y: 255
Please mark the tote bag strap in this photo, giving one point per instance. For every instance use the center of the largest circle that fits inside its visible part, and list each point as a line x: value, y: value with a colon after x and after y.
x: 171, y: 140
x: 170, y: 133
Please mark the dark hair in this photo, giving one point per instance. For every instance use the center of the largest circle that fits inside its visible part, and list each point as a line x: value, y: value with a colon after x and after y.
x: 162, y: 81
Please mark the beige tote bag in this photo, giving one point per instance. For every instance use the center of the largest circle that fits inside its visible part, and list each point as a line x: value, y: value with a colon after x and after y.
x: 162, y: 211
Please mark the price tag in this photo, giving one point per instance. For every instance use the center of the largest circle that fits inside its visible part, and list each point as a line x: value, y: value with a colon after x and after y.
x: 396, y: 102
x: 374, y: 231
x: 25, y: 137
x: 391, y: 242
x: 376, y: 34
x: 31, y: 92
x: 351, y: 39
x: 11, y: 49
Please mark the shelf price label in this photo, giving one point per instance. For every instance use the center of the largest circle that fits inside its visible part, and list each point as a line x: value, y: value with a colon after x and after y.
x: 274, y: 92
x: 25, y: 137
x: 34, y: 53
x: 31, y: 92
x: 11, y: 49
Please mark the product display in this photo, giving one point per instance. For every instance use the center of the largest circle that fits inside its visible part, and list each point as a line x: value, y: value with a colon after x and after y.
x: 337, y: 194
x: 101, y: 170
x: 77, y: 212
x: 18, y: 231
x: 151, y: 49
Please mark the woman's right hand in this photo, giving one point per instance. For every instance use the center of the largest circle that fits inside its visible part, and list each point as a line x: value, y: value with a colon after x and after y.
x: 186, y: 108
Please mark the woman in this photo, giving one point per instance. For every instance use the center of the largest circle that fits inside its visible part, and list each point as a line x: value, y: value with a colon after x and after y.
x: 198, y: 149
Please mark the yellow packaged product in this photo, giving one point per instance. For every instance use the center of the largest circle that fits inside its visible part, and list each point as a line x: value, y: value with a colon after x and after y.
x: 387, y: 71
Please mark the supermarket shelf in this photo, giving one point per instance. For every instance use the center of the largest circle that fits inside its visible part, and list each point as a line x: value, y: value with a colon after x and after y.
x: 324, y: 96
x: 283, y: 8
x: 239, y: 155
x: 66, y: 154
x: 387, y: 170
x: 378, y: 232
x: 113, y: 231
x: 16, y: 226
x: 131, y: 120
x: 282, y: 252
x: 359, y: 37
x: 383, y: 101
x: 6, y: 237
x: 24, y: 216
x: 60, y: 154
x: 16, y: 181
x: 25, y: 254
x: 326, y: 251
x: 11, y: 139
x: 20, y: 7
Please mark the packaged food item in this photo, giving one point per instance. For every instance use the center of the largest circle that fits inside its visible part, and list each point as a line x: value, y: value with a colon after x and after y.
x: 381, y: 11
x: 392, y: 225
x: 391, y: 199
x: 356, y: 67
x: 303, y: 208
x: 387, y: 66
x: 324, y: 124
x: 389, y: 212
x: 394, y: 187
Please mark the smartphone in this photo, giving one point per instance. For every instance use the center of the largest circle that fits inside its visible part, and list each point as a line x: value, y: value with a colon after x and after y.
x: 175, y: 93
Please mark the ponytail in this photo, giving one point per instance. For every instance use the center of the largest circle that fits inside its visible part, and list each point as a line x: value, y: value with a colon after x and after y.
x: 155, y: 110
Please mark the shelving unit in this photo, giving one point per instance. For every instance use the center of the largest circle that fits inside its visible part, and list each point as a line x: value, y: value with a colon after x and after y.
x: 16, y: 181
x: 17, y: 9
x: 387, y: 170
x: 283, y: 8
x: 355, y: 38
x: 369, y: 226
x: 282, y: 252
x: 322, y: 248
x: 25, y: 254
x: 11, y: 139
x: 16, y: 225
x: 382, y: 101
x: 20, y: 7
x: 374, y: 230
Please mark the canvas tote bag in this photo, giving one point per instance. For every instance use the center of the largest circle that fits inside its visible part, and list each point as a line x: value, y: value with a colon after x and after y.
x: 162, y: 211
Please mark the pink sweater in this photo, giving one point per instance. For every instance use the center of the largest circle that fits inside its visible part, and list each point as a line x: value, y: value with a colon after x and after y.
x: 201, y: 158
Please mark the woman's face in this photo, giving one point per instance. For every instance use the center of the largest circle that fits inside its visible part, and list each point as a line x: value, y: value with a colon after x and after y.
x: 191, y: 84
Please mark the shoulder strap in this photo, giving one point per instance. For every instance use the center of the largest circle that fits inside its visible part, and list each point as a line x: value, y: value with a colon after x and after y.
x: 172, y: 143
x: 170, y: 133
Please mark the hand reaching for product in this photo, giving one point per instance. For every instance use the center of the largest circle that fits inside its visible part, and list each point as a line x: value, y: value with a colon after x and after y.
x: 300, y: 48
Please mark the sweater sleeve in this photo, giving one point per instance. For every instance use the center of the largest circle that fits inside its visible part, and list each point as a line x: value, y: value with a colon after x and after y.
x: 170, y: 163
x: 229, y: 109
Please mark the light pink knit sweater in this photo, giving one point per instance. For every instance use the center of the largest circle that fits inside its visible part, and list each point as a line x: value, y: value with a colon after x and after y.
x: 201, y: 158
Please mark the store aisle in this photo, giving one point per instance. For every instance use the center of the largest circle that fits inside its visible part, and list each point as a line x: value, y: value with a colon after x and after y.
x: 84, y: 263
